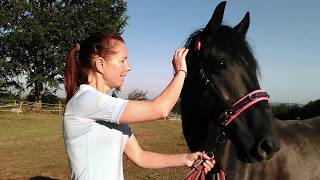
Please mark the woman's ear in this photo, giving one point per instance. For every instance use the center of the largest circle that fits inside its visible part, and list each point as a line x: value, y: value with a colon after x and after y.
x: 99, y: 64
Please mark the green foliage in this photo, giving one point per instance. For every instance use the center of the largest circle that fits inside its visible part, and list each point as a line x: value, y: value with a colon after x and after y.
x: 8, y: 96
x: 35, y: 35
x: 47, y: 98
x: 9, y: 87
x: 311, y: 109
x: 287, y: 111
x: 137, y: 94
x: 283, y: 108
x: 115, y: 92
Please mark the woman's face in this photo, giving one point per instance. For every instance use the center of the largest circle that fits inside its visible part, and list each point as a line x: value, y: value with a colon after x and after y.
x: 116, y: 67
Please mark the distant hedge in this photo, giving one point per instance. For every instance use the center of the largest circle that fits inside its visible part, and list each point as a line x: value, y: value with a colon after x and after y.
x: 288, y: 112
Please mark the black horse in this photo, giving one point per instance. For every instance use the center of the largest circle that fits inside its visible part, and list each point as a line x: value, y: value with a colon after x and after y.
x: 222, y: 97
x: 222, y: 70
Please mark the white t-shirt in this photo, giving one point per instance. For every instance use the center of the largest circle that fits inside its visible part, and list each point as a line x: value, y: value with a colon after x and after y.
x: 93, y: 137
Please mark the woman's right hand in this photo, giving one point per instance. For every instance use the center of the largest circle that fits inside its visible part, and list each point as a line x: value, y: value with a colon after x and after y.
x: 179, y: 60
x: 208, y: 164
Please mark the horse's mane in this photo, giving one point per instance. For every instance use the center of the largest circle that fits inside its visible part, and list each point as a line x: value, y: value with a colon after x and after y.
x: 232, y: 43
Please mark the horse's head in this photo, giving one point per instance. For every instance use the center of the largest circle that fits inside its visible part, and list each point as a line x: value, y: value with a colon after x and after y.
x: 222, y: 75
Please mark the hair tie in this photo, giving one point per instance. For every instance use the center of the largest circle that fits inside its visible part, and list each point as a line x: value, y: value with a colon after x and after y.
x: 77, y: 47
x: 94, y: 48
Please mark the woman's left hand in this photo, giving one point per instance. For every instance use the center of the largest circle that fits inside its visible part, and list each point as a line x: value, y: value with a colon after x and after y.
x: 208, y: 164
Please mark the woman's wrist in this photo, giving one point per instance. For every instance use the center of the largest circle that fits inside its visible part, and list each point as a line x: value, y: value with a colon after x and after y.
x: 186, y: 160
x: 182, y: 71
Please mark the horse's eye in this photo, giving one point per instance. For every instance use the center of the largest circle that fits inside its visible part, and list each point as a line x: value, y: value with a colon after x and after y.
x: 221, y: 63
x: 218, y: 65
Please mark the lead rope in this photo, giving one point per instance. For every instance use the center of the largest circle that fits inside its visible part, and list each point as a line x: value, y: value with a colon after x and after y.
x: 198, y: 171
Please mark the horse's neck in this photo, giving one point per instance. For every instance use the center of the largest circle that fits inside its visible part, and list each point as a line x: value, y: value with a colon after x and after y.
x: 197, y: 115
x: 298, y: 157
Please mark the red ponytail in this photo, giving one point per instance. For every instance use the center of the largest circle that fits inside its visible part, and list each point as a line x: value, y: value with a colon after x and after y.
x: 70, y: 73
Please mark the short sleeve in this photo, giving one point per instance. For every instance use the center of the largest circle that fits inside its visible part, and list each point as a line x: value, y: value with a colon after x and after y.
x: 99, y: 106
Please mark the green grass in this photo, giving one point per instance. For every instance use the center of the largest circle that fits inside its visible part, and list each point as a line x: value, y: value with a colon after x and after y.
x: 31, y: 145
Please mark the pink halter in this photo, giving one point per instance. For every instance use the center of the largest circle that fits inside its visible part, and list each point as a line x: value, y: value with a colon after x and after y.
x: 248, y: 100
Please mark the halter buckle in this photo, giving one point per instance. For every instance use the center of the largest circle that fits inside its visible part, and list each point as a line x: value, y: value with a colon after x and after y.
x: 252, y: 96
x: 221, y: 137
x: 228, y: 113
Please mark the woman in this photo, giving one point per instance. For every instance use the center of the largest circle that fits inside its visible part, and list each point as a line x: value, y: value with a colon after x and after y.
x: 95, y: 124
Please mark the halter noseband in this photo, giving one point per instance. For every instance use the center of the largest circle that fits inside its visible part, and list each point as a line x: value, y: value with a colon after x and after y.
x: 239, y: 106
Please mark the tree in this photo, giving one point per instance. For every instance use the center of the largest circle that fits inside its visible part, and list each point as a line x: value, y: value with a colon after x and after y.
x: 35, y: 35
x: 47, y: 98
x: 311, y: 109
x: 286, y: 111
x: 9, y: 88
x: 115, y: 92
x: 137, y: 94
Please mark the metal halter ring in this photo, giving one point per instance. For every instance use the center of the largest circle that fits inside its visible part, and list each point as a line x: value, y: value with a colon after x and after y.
x: 252, y: 96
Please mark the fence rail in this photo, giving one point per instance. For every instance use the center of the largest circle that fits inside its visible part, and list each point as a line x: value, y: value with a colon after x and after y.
x: 24, y: 106
x: 173, y: 117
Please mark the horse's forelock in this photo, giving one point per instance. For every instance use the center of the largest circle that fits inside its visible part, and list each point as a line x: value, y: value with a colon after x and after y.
x: 192, y: 38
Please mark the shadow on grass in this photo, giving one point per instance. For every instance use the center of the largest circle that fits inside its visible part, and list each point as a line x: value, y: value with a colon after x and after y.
x: 41, y: 178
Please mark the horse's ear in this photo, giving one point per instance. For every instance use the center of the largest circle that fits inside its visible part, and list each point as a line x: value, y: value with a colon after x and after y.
x: 216, y: 18
x: 243, y: 26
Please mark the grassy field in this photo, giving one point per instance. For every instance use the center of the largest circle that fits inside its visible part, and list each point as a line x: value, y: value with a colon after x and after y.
x: 31, y: 147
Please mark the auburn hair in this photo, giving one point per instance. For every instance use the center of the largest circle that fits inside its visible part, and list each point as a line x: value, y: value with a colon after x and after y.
x: 79, y: 59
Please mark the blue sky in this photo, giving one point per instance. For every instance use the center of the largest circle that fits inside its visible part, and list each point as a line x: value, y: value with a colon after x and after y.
x: 284, y: 36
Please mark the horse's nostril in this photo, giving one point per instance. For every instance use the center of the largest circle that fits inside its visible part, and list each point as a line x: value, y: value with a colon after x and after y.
x: 265, y: 149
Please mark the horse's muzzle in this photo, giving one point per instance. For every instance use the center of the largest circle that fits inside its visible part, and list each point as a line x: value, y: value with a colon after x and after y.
x: 266, y: 148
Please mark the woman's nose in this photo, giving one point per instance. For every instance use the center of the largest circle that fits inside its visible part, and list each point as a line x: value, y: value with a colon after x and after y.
x: 129, y: 68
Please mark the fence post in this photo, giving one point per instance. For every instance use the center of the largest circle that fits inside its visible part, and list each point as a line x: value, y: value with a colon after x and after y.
x: 33, y: 106
x: 59, y: 108
x: 20, y: 107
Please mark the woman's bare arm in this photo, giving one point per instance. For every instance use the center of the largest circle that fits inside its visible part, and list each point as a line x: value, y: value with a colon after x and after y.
x: 160, y: 107
x: 152, y: 160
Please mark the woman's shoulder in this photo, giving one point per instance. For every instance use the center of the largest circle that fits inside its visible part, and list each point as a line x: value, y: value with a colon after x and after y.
x: 88, y: 93
x: 89, y: 96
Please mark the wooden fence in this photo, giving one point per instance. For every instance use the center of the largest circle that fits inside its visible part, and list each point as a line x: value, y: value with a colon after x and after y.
x: 24, y: 106
x: 173, y: 117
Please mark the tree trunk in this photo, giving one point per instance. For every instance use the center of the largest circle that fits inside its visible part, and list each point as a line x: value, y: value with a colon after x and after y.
x: 38, y: 91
